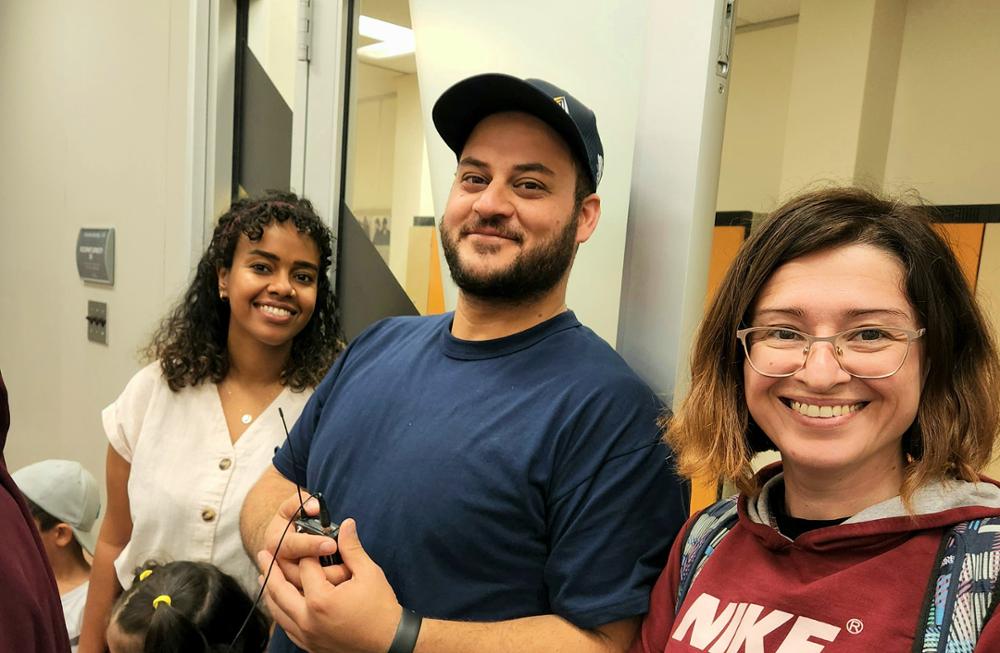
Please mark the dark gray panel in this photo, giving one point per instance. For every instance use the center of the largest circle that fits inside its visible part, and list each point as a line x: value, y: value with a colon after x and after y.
x: 266, y: 138
x: 366, y: 288
x: 967, y: 213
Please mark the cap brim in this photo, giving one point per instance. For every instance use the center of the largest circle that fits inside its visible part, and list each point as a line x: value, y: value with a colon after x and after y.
x: 87, y: 540
x: 464, y: 105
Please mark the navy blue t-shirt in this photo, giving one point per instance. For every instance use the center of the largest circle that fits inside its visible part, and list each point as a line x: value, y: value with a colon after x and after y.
x: 494, y: 479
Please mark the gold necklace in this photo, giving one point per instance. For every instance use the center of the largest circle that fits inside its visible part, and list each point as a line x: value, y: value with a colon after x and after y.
x: 246, y: 418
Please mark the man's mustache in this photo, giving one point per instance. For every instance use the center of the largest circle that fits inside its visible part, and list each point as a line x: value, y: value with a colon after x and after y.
x: 497, y: 225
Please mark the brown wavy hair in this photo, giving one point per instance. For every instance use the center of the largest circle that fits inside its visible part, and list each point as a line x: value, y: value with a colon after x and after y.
x: 190, y: 342
x: 714, y: 435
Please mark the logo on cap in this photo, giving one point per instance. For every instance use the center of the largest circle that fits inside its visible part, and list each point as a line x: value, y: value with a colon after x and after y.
x: 561, y: 101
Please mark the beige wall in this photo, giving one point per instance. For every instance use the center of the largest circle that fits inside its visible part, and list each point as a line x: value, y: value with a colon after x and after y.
x: 389, y: 170
x: 943, y: 139
x: 827, y: 92
x: 755, y: 118
x: 93, y: 134
x: 411, y: 194
x: 272, y: 37
x: 372, y: 141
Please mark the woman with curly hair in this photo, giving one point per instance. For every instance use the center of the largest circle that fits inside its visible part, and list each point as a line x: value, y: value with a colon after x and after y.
x: 192, y: 431
x: 845, y: 337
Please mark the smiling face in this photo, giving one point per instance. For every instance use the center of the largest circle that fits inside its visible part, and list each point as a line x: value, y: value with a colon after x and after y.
x: 271, y: 286
x: 821, y: 418
x: 510, y: 230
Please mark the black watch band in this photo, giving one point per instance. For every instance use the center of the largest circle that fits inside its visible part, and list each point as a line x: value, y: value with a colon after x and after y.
x: 406, y: 632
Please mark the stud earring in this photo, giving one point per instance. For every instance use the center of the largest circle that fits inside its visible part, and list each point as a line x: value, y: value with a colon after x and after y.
x: 223, y: 295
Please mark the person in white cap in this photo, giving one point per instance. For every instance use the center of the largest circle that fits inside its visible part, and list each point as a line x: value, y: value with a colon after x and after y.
x: 65, y: 502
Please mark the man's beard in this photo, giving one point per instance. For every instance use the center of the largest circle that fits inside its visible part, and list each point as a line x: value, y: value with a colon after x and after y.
x: 532, y: 274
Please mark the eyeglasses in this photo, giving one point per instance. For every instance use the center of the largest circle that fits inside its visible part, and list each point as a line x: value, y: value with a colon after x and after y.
x: 871, y: 352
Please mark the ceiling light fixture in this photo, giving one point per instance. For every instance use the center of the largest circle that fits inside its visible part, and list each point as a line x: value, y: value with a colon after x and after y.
x: 394, y: 40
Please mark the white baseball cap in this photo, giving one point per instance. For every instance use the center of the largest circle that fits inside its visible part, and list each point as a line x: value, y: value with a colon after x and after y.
x: 65, y: 490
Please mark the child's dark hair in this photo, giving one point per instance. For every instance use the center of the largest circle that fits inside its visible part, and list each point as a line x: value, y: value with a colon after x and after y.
x: 47, y: 522
x: 202, y: 612
x: 190, y: 343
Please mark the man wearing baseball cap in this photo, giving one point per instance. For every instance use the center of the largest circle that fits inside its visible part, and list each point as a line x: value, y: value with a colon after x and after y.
x: 64, y: 500
x: 500, y: 464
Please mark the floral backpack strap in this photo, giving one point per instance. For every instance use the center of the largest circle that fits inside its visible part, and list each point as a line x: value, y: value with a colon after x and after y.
x: 704, y: 535
x: 963, y: 590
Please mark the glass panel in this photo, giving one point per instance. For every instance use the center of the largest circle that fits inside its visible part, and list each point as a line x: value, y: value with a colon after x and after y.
x: 387, y: 174
x: 265, y: 95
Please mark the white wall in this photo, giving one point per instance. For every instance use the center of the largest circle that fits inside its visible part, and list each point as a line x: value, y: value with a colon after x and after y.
x: 678, y: 149
x: 93, y: 134
x: 595, y: 54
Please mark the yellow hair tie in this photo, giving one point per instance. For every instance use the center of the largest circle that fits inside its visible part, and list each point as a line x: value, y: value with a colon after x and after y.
x: 162, y: 598
x: 145, y: 574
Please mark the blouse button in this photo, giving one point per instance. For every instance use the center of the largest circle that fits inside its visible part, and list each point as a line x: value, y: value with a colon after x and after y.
x: 225, y: 464
x: 208, y: 514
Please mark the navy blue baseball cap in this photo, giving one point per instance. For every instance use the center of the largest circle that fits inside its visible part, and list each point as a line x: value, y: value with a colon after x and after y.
x: 464, y: 105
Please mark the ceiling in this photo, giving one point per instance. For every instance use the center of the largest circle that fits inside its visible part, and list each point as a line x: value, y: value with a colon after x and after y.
x: 752, y: 12
x: 391, y: 11
x: 748, y: 12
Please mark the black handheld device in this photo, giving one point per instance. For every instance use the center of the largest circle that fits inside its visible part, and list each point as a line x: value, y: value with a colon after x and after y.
x: 313, y: 525
x: 320, y: 526
x: 303, y: 524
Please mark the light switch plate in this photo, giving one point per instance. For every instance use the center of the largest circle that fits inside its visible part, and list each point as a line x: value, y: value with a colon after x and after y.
x: 97, y: 322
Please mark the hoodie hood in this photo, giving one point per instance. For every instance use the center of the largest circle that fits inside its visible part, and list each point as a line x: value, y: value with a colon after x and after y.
x: 936, y: 505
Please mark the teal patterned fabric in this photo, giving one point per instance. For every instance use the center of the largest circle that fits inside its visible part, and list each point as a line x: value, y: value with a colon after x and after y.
x: 968, y: 567
x: 706, y: 532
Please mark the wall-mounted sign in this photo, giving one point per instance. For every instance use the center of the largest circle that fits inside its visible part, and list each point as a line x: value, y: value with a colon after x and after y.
x: 95, y: 255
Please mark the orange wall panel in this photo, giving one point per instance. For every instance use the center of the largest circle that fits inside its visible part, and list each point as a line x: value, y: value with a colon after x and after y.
x: 435, y: 289
x: 966, y: 241
x: 726, y: 242
x: 703, y: 493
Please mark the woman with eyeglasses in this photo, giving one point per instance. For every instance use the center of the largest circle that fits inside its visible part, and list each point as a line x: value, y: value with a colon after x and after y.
x: 845, y: 337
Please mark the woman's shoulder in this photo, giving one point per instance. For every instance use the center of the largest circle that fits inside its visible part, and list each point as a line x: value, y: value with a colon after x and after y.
x: 151, y: 373
x: 149, y: 385
x: 297, y: 398
x: 147, y: 381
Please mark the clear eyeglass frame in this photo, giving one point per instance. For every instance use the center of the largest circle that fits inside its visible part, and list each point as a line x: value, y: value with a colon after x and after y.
x: 810, y: 340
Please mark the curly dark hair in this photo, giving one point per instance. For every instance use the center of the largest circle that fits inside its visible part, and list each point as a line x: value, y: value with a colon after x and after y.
x: 190, y: 342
